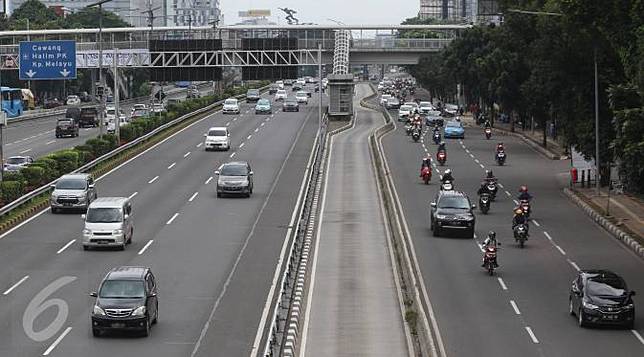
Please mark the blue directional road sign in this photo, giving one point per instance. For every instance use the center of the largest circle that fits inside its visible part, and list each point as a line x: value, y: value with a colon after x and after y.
x: 47, y: 60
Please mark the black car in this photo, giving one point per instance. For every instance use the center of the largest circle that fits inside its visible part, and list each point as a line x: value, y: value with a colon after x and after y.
x: 452, y: 210
x: 601, y: 297
x: 252, y: 95
x: 290, y: 105
x: 88, y: 117
x: 66, y: 127
x: 127, y: 300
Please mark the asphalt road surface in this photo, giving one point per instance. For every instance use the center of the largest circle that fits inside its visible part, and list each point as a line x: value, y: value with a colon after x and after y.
x: 523, y: 310
x: 354, y: 306
x: 214, y: 258
x: 37, y: 137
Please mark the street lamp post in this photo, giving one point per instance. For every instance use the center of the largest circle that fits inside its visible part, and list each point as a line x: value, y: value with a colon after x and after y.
x: 558, y: 14
x: 101, y: 79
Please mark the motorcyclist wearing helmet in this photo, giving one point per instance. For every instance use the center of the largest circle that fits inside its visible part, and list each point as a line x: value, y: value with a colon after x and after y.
x: 484, y: 189
x: 519, y: 218
x: 427, y: 163
x: 487, y: 124
x: 441, y: 147
x: 447, y: 176
x: 490, y: 241
x: 489, y: 176
x: 500, y: 147
x: 524, y: 194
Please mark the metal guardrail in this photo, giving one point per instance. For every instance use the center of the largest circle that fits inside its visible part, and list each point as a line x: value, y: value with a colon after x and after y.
x: 45, y: 188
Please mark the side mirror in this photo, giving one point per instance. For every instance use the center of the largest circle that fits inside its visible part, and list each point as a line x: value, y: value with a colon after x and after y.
x: 205, y: 135
x: 473, y: 206
x: 83, y: 216
x: 633, y: 293
x: 433, y: 204
x: 217, y: 172
x: 52, y: 186
x: 126, y: 216
x: 91, y: 186
x: 250, y: 173
x: 93, y: 294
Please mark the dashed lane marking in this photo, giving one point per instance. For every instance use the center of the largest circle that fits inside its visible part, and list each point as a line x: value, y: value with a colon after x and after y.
x: 14, y: 286
x: 199, y: 145
x: 508, y: 193
x: 482, y: 166
x: 172, y: 165
x: 502, y: 283
x: 193, y: 196
x: 154, y: 179
x: 574, y: 265
x: 560, y: 250
x: 145, y: 247
x: 60, y: 338
x: 532, y: 335
x: 186, y: 154
x: 208, y: 180
x: 638, y: 336
x: 536, y: 223
x: 232, y: 155
x: 249, y: 136
x: 50, y: 142
x: 515, y: 307
x: 25, y: 151
x: 134, y: 194
x: 65, y: 246
x: 547, y: 235
x: 172, y: 219
x: 241, y: 145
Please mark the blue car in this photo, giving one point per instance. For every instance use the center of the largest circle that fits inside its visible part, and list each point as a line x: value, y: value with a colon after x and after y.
x: 263, y: 106
x: 454, y: 129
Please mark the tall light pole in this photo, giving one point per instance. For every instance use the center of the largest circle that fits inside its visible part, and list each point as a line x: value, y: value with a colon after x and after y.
x: 101, y: 79
x: 558, y: 14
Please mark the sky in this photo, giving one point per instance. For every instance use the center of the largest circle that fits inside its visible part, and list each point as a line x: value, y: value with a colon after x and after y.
x: 351, y: 12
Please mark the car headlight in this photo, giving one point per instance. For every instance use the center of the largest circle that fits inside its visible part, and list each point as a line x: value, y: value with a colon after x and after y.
x: 441, y: 216
x: 87, y: 232
x: 98, y: 311
x: 117, y: 231
x: 139, y: 311
x: 629, y: 306
x: 588, y: 305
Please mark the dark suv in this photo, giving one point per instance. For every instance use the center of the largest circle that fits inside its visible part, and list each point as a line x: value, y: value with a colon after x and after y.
x: 66, y: 127
x: 127, y: 300
x: 88, y: 117
x: 252, y: 95
x: 601, y: 297
x: 452, y: 210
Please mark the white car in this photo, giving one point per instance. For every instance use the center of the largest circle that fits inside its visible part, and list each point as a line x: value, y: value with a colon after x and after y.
x: 280, y: 84
x: 217, y: 138
x: 231, y: 106
x: 302, y: 97
x: 405, y: 111
x: 73, y: 100
x: 425, y: 107
x: 384, y: 98
x: 301, y: 81
x: 15, y: 163
x: 138, y: 106
x: 281, y: 95
x: 414, y: 105
x: 158, y: 108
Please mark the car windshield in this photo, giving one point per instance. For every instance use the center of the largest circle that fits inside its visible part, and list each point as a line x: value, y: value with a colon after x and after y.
x: 405, y: 108
x: 104, y: 215
x: 111, y: 112
x: 231, y: 101
x: 122, y: 289
x: 234, y: 170
x: 281, y: 91
x: 263, y: 102
x: 425, y: 104
x: 300, y: 94
x: 16, y: 160
x: 217, y: 132
x: 454, y: 124
x: 605, y: 287
x: 290, y: 102
x: 71, y: 184
x: 456, y: 202
x: 140, y: 113
x: 253, y: 92
x: 64, y: 122
x: 139, y: 106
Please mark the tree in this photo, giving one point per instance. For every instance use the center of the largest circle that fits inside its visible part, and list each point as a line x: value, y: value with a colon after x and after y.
x: 90, y: 17
x: 39, y: 15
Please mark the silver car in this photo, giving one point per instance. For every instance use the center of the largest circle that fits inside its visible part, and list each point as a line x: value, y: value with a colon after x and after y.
x: 235, y: 178
x: 73, y: 191
x: 108, y: 223
x: 15, y: 163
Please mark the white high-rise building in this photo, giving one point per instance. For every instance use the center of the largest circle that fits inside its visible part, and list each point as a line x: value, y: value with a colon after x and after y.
x: 192, y: 12
x: 449, y: 10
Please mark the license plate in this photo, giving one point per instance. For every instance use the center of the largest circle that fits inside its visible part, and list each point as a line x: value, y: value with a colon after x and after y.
x: 67, y: 204
x: 118, y: 325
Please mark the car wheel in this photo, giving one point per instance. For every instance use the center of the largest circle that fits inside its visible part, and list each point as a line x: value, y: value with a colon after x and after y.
x: 581, y: 319
x: 54, y: 210
x: 129, y: 241
x: 571, y: 311
x: 122, y: 246
x: 470, y: 234
x: 218, y: 195
x: 96, y: 332
x: 436, y: 231
x: 630, y: 325
x: 156, y: 314
x: 85, y: 247
x: 146, y: 330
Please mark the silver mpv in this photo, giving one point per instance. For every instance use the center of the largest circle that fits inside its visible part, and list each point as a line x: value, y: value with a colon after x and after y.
x: 108, y: 223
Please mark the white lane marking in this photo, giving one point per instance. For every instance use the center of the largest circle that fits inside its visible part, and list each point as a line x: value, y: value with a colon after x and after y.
x: 477, y: 161
x: 467, y: 151
x: 232, y: 155
x: 472, y: 156
x: 228, y: 124
x: 502, y: 283
x: 249, y: 136
x: 639, y: 337
x: 547, y: 235
x: 574, y: 265
x: 508, y: 193
x: 536, y: 223
x: 515, y: 307
x: 134, y: 194
x: 262, y: 124
x: 25, y: 151
x: 172, y: 165
x: 500, y: 184
x: 193, y: 196
x: 199, y: 145
x: 65, y: 246
x: 482, y: 166
x: 8, y: 291
x: 560, y: 250
x: 532, y: 336
x: 172, y: 219
x: 154, y: 179
x: 256, y: 130
x: 60, y: 338
x: 235, y: 119
x: 186, y: 154
x: 241, y: 145
x: 208, y: 180
x: 145, y: 247
x: 50, y: 142
x: 516, y: 202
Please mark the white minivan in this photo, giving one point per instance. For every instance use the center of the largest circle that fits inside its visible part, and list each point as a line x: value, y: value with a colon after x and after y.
x: 108, y: 223
x: 217, y: 138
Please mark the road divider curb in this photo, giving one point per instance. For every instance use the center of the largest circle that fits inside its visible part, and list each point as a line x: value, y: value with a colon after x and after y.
x: 426, y: 340
x: 615, y: 231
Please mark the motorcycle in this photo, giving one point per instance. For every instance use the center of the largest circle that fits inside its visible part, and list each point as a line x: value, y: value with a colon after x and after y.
x: 441, y: 156
x: 484, y: 202
x: 437, y: 138
x: 500, y: 158
x: 426, y: 174
x: 488, y: 133
x: 447, y: 186
x: 525, y: 207
x: 521, y: 234
x: 489, y: 260
x: 416, y: 135
x: 409, y: 129
x: 491, y: 186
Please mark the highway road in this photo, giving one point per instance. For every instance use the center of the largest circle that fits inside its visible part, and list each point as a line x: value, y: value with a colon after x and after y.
x: 353, y: 298
x: 37, y: 137
x: 523, y: 310
x: 214, y: 258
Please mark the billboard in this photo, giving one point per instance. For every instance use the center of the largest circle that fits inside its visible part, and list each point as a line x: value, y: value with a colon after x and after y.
x: 255, y: 13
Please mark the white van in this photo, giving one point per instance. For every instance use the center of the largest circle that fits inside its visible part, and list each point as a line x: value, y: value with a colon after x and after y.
x: 108, y: 223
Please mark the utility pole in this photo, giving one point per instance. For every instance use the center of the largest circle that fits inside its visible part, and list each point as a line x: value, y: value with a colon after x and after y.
x: 597, y: 174
x: 101, y: 79
x: 117, y: 116
x: 320, y: 91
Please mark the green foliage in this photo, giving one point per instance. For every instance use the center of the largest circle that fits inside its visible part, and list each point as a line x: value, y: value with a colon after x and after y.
x: 39, y: 15
x: 34, y: 176
x: 50, y: 168
x: 66, y: 160
x: 11, y: 190
x: 89, y: 18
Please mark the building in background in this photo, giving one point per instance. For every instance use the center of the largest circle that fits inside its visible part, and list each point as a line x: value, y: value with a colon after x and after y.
x: 255, y: 17
x: 192, y: 12
x: 468, y: 11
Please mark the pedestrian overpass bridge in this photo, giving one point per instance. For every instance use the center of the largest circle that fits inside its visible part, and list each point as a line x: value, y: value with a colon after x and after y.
x: 369, y: 44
